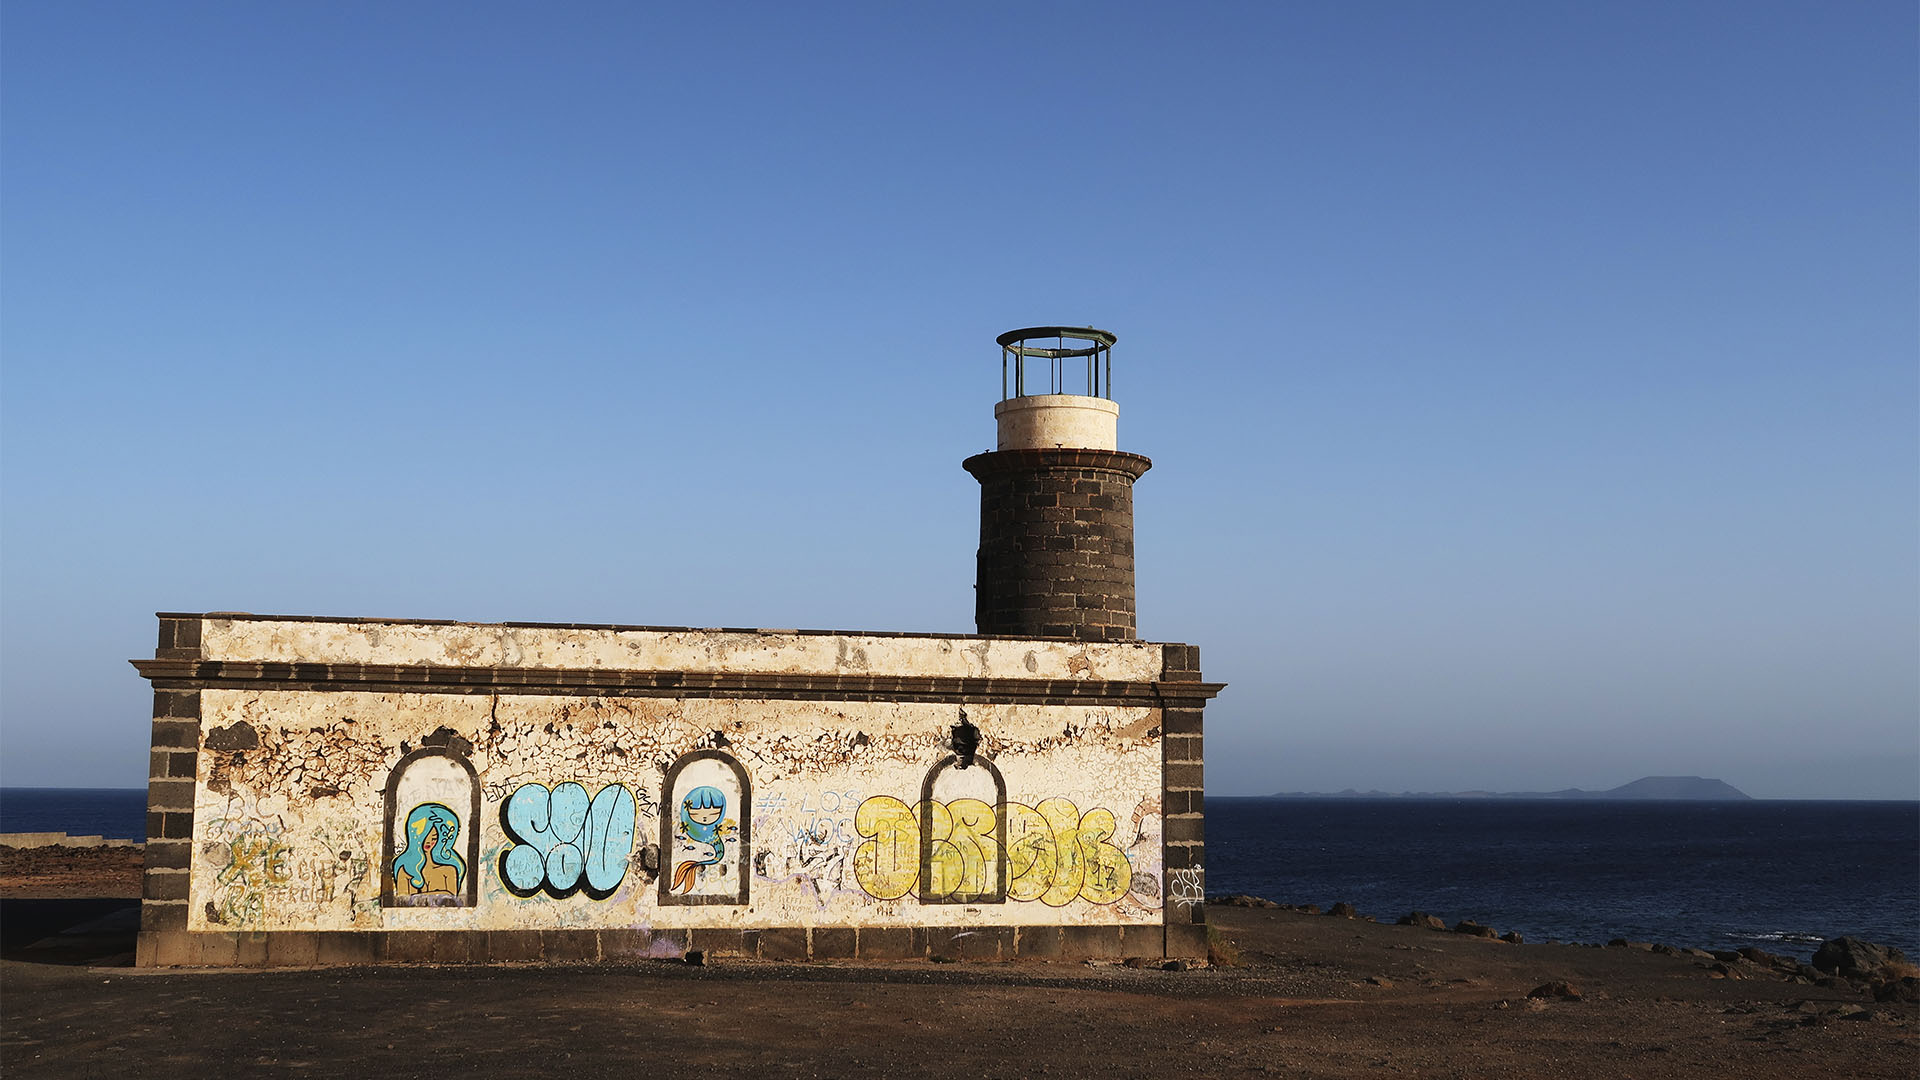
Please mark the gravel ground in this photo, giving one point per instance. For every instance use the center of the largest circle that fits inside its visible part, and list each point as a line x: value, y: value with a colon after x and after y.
x: 1311, y: 996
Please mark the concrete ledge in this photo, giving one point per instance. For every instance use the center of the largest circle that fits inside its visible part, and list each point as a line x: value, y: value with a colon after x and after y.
x: 828, y: 943
x: 569, y: 946
x: 514, y: 946
x: 1094, y: 942
x: 784, y: 944
x: 349, y: 948
x: 720, y: 942
x: 1187, y: 941
x: 885, y: 943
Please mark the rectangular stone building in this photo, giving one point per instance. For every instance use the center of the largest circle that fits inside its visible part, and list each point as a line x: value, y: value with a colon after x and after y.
x: 359, y: 790
x: 343, y: 790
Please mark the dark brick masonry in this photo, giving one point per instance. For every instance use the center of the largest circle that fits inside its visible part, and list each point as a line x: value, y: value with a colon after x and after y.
x: 1056, y: 543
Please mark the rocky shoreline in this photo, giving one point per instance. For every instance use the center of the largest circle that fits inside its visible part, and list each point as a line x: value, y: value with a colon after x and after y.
x: 67, y: 869
x: 1880, y: 971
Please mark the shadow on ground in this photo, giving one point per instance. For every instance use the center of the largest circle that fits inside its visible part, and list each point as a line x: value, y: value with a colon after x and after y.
x: 91, y: 932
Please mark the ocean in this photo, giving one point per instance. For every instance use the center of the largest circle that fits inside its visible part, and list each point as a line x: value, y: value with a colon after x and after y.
x: 115, y: 813
x: 1780, y: 875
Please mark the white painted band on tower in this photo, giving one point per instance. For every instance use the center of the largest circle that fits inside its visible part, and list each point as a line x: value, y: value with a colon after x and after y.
x: 1047, y: 421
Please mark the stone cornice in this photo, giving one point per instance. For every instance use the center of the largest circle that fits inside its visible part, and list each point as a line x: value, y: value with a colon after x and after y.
x: 999, y: 461
x: 191, y: 674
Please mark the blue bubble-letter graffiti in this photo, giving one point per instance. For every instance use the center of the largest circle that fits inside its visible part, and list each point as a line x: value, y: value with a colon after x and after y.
x: 609, y: 838
x: 560, y: 836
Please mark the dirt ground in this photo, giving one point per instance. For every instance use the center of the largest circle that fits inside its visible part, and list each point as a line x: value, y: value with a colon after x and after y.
x: 1311, y: 996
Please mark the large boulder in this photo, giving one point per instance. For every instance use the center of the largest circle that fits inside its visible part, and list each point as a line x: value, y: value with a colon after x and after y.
x: 1853, y: 958
x: 1563, y: 990
x: 1422, y: 920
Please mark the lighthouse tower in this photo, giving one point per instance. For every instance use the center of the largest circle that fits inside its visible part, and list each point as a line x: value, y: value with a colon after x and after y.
x: 1056, y: 495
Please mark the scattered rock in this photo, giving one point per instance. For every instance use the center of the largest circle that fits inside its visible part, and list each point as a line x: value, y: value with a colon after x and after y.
x: 1647, y: 946
x: 1562, y: 990
x: 1307, y: 909
x: 1474, y: 929
x: 1854, y: 958
x: 1343, y: 910
x: 1422, y: 920
x: 1903, y: 989
x: 1242, y: 900
x: 1760, y: 956
x: 1513, y: 937
x: 1381, y: 981
x: 1176, y: 965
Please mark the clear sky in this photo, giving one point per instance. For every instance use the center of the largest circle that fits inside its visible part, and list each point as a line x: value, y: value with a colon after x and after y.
x: 1532, y: 387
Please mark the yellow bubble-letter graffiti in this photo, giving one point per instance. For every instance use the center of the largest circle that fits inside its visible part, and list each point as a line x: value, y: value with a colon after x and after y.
x: 887, y: 865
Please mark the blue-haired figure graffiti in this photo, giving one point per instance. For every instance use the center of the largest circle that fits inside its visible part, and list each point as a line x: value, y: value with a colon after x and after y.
x: 701, y: 838
x: 431, y: 863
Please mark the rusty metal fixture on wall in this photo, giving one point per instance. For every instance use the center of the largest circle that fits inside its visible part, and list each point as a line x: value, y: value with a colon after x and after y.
x: 964, y: 739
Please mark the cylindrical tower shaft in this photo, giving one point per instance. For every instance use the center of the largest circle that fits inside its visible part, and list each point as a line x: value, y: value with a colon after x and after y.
x: 1056, y: 543
x: 1056, y: 502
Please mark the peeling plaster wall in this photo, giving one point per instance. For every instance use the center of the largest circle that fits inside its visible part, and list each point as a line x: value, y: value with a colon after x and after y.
x: 743, y: 651
x: 301, y: 822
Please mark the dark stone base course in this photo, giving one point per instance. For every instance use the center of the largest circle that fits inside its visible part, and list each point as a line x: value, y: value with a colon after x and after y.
x: 301, y: 948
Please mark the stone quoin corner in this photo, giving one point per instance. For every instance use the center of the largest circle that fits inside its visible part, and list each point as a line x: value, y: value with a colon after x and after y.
x: 342, y: 790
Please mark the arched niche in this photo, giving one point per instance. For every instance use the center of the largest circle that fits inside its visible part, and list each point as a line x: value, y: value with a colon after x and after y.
x: 430, y: 854
x: 963, y: 833
x: 706, y: 830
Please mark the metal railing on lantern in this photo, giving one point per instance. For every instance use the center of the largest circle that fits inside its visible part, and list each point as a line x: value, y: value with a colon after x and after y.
x: 1097, y: 352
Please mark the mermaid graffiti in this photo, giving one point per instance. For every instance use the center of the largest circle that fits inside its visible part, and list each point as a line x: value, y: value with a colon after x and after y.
x: 700, y: 839
x: 430, y: 864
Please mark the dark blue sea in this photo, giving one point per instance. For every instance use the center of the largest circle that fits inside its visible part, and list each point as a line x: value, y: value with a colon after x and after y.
x: 1780, y: 875
x: 115, y: 813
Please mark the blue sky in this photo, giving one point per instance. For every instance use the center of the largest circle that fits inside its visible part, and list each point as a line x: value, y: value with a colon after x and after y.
x: 1532, y: 387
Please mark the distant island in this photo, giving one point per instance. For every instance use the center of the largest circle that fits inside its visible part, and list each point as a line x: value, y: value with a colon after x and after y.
x: 1697, y: 788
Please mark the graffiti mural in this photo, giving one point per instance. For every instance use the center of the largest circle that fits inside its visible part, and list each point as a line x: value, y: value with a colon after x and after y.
x: 576, y: 811
x: 431, y: 865
x: 1145, y: 854
x: 254, y: 862
x: 936, y: 851
x: 963, y: 833
x: 257, y: 862
x: 1188, y: 888
x: 564, y: 842
x: 705, y: 834
x: 432, y: 798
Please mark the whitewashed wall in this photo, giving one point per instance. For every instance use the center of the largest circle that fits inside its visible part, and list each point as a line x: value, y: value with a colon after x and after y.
x: 292, y: 830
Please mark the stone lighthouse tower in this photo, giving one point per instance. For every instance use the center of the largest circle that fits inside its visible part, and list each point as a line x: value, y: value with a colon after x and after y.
x: 1056, y: 495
